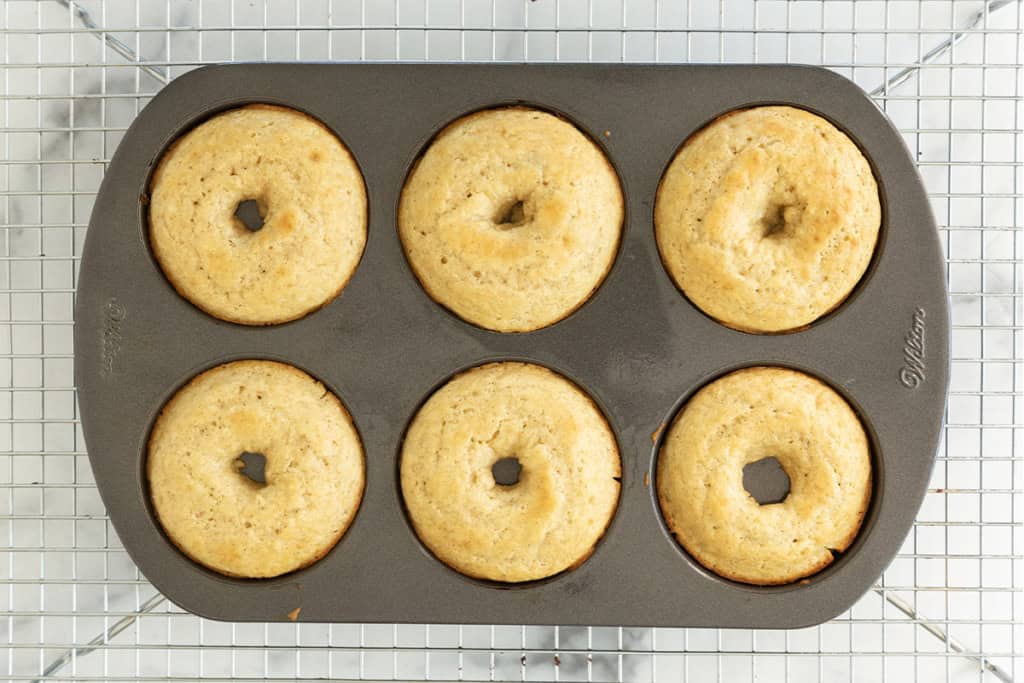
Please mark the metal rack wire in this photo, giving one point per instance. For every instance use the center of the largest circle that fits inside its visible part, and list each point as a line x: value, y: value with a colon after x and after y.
x: 76, y: 73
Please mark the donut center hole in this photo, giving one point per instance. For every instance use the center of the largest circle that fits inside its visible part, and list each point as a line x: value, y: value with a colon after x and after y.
x: 773, y: 222
x: 253, y: 466
x: 249, y: 214
x: 506, y: 471
x: 766, y: 481
x: 511, y: 214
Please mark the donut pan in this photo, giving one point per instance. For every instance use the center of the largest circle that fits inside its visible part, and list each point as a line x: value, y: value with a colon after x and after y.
x: 638, y: 346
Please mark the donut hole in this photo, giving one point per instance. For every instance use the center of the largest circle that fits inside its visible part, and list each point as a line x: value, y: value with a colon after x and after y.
x: 778, y: 218
x: 766, y: 481
x: 774, y: 220
x: 506, y: 471
x: 253, y: 466
x: 250, y: 214
x: 510, y: 214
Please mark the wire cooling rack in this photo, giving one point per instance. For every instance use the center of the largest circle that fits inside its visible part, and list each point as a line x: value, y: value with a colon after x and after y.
x: 76, y: 74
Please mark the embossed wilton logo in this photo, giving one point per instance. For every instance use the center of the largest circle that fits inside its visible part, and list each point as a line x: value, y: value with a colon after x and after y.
x: 912, y: 372
x: 114, y: 314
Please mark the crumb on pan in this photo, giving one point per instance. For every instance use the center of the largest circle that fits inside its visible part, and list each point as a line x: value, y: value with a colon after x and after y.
x: 657, y: 433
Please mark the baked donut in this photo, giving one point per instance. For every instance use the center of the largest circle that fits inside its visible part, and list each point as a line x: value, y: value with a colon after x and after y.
x: 567, y: 489
x: 225, y: 519
x: 745, y: 417
x: 311, y: 198
x: 511, y: 218
x: 767, y: 218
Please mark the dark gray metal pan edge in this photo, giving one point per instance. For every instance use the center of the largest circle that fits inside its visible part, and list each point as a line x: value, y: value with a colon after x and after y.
x: 638, y: 346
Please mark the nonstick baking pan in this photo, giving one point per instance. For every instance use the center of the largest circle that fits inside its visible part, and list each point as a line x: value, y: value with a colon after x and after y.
x: 638, y: 346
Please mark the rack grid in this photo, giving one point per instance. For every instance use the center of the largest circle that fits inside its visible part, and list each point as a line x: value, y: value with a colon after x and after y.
x: 76, y: 73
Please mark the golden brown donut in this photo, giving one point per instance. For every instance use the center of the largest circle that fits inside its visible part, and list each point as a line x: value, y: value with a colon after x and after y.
x: 568, y: 487
x: 767, y: 218
x: 511, y: 218
x: 744, y: 417
x: 311, y: 197
x: 223, y: 519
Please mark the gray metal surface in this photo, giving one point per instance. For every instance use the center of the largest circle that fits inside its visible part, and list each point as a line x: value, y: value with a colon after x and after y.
x: 638, y: 346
